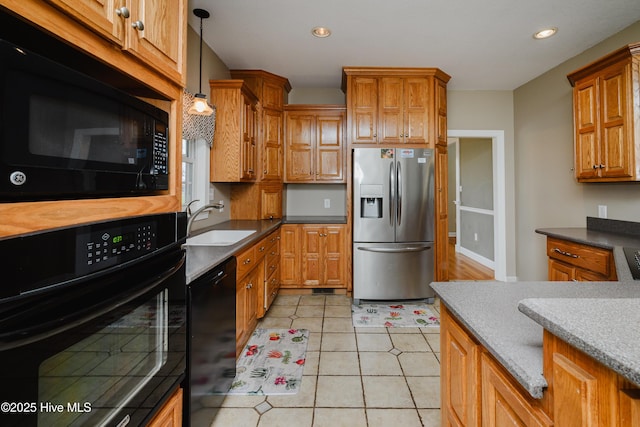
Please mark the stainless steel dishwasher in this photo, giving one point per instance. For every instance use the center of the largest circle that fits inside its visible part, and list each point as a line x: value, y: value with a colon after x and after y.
x: 211, y: 349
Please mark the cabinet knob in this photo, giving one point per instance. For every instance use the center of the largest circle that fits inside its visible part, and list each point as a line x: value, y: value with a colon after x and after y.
x: 138, y: 25
x: 247, y: 261
x: 264, y: 172
x: 262, y: 248
x: 249, y: 285
x: 123, y: 12
x: 601, y: 166
x: 595, y: 166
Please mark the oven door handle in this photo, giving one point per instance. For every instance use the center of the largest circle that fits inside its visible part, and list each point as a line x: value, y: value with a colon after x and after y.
x: 28, y: 336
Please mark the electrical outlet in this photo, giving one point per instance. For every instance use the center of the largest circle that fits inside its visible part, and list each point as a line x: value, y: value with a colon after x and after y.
x: 475, y: 237
x: 327, y: 203
x: 602, y: 211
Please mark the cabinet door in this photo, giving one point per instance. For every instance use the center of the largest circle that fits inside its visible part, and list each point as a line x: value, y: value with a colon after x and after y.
x: 560, y: 272
x: 391, y: 101
x: 312, y: 255
x: 586, y: 129
x: 272, y: 145
x: 271, y: 201
x: 417, y: 100
x: 299, y: 147
x: 459, y: 374
x: 615, y: 146
x: 442, y: 222
x: 330, y: 148
x: 503, y: 404
x: 575, y: 398
x: 249, y: 129
x: 170, y: 415
x: 99, y: 15
x: 333, y: 250
x: 441, y: 109
x: 364, y: 110
x: 290, y: 251
x: 162, y: 41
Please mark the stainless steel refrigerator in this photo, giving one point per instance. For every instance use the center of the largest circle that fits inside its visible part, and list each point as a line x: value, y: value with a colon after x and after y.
x: 393, y: 224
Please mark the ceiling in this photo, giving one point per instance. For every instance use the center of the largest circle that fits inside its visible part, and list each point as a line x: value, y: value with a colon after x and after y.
x: 483, y: 45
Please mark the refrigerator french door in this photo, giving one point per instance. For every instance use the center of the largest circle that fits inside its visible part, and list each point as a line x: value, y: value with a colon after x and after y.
x: 393, y: 225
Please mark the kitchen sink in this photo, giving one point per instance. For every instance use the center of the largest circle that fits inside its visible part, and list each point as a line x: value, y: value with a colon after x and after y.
x: 219, y: 237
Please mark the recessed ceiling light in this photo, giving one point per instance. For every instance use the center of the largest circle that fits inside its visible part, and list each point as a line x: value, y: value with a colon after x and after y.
x: 321, y: 32
x: 545, y: 33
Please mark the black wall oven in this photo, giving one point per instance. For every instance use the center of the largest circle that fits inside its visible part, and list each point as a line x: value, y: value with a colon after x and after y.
x: 66, y: 135
x: 92, y: 322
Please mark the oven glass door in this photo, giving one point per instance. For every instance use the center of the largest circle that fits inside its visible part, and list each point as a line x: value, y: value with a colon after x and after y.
x: 106, y: 369
x: 107, y: 353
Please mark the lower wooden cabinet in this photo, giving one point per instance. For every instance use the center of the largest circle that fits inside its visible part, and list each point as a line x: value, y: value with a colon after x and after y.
x: 257, y: 284
x: 313, y: 256
x: 574, y: 261
x: 504, y: 403
x: 170, y: 415
x: 476, y: 390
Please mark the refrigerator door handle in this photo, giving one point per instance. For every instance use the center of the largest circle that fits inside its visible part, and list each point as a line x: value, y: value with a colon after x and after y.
x: 396, y: 250
x: 399, y: 180
x: 392, y: 193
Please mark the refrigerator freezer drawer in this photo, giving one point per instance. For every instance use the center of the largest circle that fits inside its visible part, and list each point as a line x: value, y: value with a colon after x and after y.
x: 392, y: 271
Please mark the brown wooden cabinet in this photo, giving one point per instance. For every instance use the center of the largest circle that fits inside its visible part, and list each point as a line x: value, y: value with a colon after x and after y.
x: 313, y: 256
x: 170, y: 415
x: 234, y: 151
x: 477, y: 390
x: 395, y: 105
x: 271, y: 264
x: 606, y: 114
x: 262, y: 200
x: 578, y: 262
x: 272, y: 92
x: 314, y: 144
x: 151, y: 30
x: 151, y: 66
x: 441, y: 270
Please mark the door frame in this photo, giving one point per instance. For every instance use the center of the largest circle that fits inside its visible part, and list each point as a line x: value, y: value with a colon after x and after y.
x: 499, y: 194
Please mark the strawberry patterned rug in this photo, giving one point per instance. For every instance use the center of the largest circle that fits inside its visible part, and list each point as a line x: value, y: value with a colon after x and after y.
x: 272, y: 362
x: 390, y: 315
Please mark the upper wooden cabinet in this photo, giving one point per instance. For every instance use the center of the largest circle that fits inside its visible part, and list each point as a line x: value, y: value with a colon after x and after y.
x: 233, y: 155
x: 273, y: 93
x: 396, y: 105
x: 606, y: 111
x: 152, y: 30
x: 314, y: 144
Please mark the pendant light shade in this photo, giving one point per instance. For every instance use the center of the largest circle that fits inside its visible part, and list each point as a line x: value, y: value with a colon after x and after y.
x: 200, y: 105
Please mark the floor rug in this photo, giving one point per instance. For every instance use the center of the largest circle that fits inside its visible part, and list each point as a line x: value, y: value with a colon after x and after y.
x: 390, y: 315
x: 272, y: 362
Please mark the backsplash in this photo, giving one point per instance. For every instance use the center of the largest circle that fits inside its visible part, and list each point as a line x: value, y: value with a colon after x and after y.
x: 613, y: 226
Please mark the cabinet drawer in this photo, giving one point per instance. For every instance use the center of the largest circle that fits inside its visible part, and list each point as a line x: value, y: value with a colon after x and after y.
x: 587, y: 257
x: 246, y: 260
x: 272, y: 286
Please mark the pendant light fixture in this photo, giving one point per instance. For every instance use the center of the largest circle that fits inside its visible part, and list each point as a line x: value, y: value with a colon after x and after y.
x: 200, y: 106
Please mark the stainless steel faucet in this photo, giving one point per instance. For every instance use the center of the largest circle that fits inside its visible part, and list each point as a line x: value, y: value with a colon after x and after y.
x: 194, y: 215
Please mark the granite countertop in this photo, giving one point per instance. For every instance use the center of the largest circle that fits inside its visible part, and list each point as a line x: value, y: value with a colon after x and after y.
x: 201, y: 259
x: 600, y: 318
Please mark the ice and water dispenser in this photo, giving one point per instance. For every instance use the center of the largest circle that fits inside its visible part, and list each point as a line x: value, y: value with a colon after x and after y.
x: 371, y: 201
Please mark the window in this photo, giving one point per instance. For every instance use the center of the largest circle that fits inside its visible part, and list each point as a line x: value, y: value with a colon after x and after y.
x: 195, y: 174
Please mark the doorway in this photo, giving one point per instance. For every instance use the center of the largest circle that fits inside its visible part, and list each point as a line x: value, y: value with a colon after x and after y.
x: 480, y: 213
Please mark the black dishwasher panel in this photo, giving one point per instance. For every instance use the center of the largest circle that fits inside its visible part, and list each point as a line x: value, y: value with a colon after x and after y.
x: 211, y: 350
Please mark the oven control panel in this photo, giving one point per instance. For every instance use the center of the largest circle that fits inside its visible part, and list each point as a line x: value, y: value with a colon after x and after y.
x: 102, y: 248
x: 633, y: 259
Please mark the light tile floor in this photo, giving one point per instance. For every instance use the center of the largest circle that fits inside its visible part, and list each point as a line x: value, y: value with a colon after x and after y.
x: 353, y: 377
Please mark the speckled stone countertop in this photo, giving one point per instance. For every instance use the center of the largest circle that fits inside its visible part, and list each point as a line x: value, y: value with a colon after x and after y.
x: 201, y: 259
x: 600, y: 318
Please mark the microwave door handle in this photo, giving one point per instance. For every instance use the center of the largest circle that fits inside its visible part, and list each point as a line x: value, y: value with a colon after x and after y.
x: 30, y: 335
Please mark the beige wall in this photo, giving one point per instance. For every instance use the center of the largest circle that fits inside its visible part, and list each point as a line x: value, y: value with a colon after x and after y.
x: 490, y: 110
x: 547, y: 194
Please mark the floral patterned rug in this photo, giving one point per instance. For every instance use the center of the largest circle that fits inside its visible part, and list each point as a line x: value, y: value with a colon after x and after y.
x: 392, y: 315
x: 272, y: 362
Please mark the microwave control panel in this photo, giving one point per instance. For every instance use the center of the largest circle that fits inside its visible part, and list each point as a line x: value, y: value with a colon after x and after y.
x: 160, y: 153
x: 110, y: 246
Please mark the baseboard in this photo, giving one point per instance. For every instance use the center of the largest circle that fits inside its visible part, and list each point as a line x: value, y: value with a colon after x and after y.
x: 476, y: 257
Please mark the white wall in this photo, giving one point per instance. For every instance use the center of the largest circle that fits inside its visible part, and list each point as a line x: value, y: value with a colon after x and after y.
x: 547, y: 194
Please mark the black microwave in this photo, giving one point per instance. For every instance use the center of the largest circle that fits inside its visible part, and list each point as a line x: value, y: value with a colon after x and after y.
x: 66, y: 135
